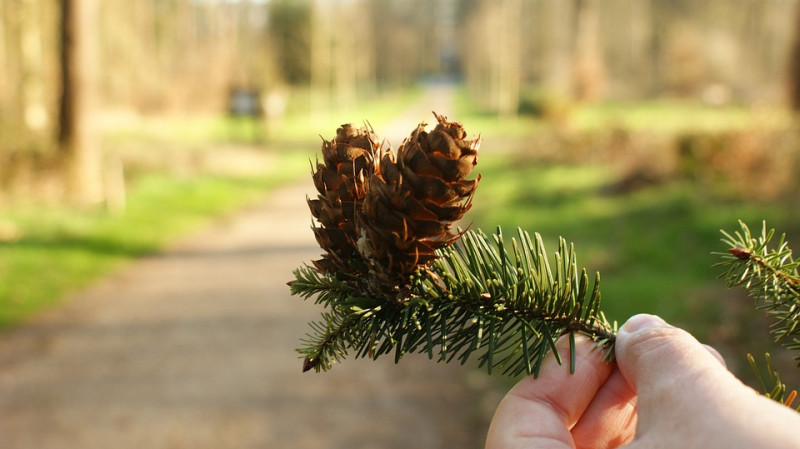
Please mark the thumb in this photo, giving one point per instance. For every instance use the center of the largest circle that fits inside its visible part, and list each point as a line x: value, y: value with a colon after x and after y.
x: 670, y: 371
x: 686, y: 397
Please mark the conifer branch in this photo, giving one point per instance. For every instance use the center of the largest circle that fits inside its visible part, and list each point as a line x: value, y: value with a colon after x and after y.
x: 769, y: 276
x: 476, y: 299
x: 775, y: 389
x: 392, y: 280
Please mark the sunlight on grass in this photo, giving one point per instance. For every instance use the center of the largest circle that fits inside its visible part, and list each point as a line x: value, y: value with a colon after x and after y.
x: 652, y: 246
x: 673, y: 117
x: 661, y: 116
x: 478, y: 121
x: 61, y: 249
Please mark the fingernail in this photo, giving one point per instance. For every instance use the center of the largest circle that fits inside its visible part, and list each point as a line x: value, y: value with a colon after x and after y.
x: 642, y: 321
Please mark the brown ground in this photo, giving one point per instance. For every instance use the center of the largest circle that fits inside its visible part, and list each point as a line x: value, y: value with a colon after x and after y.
x: 194, y: 348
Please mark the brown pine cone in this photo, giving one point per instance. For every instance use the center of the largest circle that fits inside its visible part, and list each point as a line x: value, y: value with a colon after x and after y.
x: 348, y: 160
x: 409, y: 209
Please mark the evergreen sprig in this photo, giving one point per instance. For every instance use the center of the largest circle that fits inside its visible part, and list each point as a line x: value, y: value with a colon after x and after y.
x: 773, y: 388
x: 507, y: 308
x: 770, y: 277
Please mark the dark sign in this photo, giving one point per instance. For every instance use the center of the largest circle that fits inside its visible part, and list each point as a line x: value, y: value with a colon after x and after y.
x: 244, y: 102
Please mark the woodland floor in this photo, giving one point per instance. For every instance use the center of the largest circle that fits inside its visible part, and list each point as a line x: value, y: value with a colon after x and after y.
x: 194, y: 348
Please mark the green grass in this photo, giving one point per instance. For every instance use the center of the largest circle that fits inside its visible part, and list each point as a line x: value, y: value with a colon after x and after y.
x: 61, y: 249
x: 477, y: 120
x: 658, y: 116
x: 652, y: 247
x: 674, y: 117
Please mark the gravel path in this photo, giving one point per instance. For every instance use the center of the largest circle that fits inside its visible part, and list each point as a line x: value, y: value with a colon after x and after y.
x: 194, y: 348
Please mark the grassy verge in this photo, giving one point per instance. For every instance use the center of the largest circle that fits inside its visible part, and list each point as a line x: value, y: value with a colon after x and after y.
x: 676, y: 117
x: 652, y: 243
x: 654, y: 116
x: 61, y: 249
x: 653, y: 246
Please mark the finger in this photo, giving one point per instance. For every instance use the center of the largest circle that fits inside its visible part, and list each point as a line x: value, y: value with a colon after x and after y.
x: 539, y: 412
x: 610, y: 420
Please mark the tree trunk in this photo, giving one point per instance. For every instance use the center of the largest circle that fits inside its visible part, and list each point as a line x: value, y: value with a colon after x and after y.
x: 640, y: 62
x: 589, y: 69
x: 557, y: 76
x: 4, y: 59
x: 344, y: 51
x: 77, y: 142
x: 33, y: 83
x: 507, y: 70
x: 794, y: 65
x: 321, y: 57
x: 365, y: 61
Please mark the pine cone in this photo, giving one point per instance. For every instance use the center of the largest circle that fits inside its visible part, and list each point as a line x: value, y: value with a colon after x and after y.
x: 410, y: 207
x: 348, y: 160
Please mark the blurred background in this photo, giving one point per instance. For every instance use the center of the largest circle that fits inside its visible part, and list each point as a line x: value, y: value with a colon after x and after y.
x: 635, y: 128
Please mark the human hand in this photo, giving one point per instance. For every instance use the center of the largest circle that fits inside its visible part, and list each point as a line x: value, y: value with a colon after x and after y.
x: 666, y: 390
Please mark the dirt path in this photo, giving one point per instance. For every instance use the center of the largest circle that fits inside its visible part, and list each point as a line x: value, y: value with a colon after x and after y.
x: 193, y: 348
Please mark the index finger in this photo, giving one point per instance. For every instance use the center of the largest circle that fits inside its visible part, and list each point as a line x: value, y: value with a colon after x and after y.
x: 540, y: 412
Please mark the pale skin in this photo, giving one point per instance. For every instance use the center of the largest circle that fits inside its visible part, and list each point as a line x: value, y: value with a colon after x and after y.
x: 666, y: 390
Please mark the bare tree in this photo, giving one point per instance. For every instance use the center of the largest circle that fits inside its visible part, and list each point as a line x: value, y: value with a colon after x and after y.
x: 493, y: 56
x: 794, y: 65
x: 77, y: 144
x: 33, y: 77
x: 9, y: 59
x: 558, y: 46
x: 506, y: 82
x: 321, y: 58
x: 640, y: 63
x: 589, y: 67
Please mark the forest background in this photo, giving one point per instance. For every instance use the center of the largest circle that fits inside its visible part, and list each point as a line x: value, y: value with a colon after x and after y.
x: 635, y: 128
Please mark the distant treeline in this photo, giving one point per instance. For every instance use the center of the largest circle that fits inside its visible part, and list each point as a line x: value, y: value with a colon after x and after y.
x: 157, y: 55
